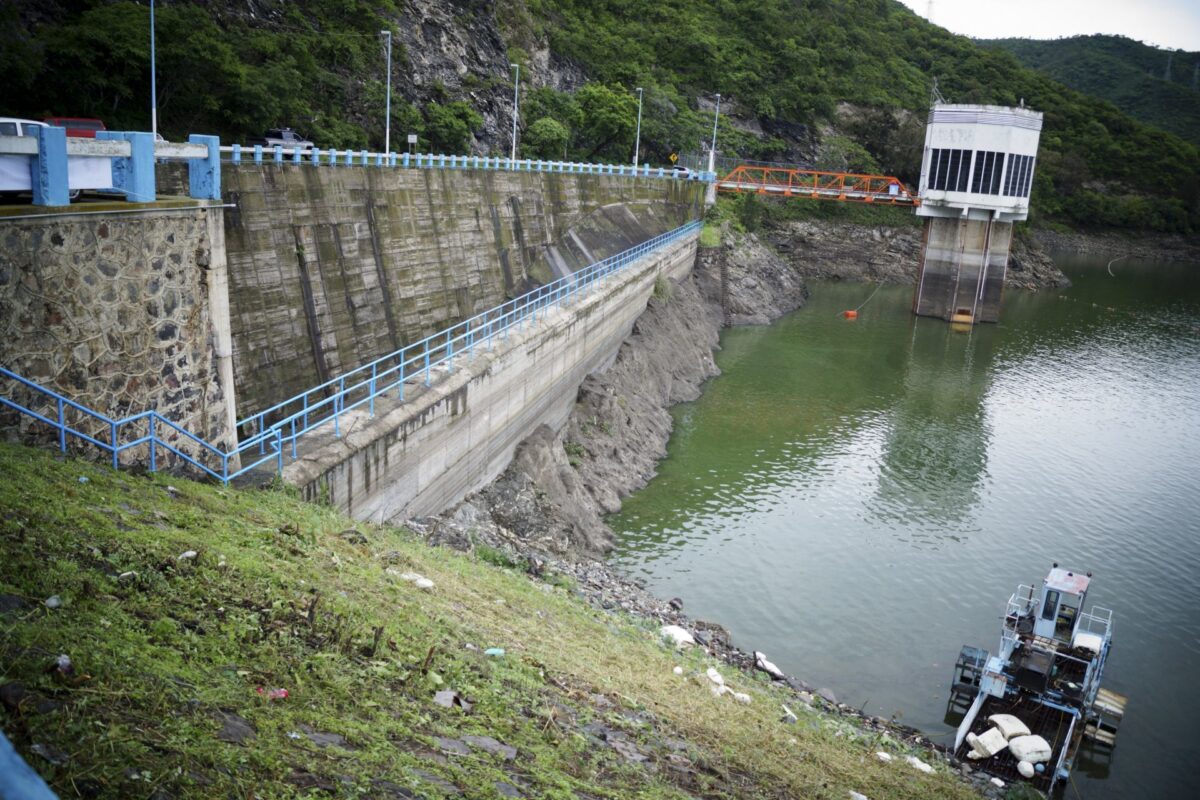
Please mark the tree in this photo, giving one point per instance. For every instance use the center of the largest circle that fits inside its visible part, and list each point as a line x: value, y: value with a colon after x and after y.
x: 449, y: 127
x: 546, y: 138
x: 609, y: 122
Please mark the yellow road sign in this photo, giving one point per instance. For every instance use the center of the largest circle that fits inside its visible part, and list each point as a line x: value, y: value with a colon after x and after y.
x: 673, y: 158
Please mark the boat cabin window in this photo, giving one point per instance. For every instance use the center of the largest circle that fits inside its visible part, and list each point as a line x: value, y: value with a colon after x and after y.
x: 1050, y: 607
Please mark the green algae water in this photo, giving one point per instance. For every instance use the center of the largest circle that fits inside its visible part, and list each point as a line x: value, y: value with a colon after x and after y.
x: 858, y: 499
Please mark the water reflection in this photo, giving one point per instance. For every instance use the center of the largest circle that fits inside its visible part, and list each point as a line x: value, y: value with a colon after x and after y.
x: 935, y: 454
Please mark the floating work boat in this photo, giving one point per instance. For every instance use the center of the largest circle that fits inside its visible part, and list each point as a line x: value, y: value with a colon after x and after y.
x: 1027, y: 710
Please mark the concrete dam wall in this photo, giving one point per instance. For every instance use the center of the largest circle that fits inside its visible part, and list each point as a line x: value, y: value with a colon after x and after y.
x: 332, y: 267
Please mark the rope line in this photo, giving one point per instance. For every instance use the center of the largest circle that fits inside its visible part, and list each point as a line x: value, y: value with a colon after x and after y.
x: 864, y: 302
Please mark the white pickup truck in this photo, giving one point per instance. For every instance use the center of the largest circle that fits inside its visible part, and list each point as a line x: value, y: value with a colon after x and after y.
x: 285, y: 137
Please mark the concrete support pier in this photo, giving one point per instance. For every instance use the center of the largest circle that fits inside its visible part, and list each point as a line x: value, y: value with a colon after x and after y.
x: 963, y: 263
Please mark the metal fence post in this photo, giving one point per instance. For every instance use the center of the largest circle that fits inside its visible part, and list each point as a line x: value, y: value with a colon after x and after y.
x: 153, y: 463
x: 374, y: 373
x: 62, y: 427
x: 338, y: 399
x: 236, y: 155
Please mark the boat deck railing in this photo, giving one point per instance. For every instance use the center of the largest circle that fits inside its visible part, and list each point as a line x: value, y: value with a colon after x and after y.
x: 1098, y: 621
x: 1022, y: 603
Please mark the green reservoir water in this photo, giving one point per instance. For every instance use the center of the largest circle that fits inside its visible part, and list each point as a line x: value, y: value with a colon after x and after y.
x: 859, y: 499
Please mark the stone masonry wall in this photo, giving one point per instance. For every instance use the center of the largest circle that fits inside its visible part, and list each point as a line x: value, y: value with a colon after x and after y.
x: 112, y: 311
x: 332, y: 267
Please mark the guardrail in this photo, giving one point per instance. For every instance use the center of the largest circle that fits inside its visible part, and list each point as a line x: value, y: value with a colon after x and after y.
x: 315, y: 156
x: 116, y: 161
x: 289, y: 421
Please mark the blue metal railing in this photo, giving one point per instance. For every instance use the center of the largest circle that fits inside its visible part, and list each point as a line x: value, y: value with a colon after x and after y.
x: 315, y: 156
x: 288, y: 421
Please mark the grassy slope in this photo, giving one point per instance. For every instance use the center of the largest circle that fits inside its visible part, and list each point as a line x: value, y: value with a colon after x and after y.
x: 1127, y: 73
x: 168, y: 649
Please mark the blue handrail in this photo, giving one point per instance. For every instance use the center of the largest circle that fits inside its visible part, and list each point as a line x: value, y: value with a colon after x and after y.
x: 291, y: 419
x: 315, y: 156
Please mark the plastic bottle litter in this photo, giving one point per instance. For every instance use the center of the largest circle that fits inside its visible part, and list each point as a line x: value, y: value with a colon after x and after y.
x: 495, y: 652
x: 272, y: 694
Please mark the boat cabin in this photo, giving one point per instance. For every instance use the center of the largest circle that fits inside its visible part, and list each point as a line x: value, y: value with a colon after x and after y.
x: 1063, y: 593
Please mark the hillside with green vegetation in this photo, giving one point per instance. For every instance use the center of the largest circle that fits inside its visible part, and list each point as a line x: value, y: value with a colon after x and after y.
x: 1159, y: 87
x: 842, y: 83
x: 163, y: 638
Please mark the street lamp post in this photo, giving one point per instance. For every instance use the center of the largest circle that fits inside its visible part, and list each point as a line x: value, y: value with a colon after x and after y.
x: 637, y: 139
x: 516, y: 91
x: 712, y: 152
x: 387, y: 123
x: 153, y: 85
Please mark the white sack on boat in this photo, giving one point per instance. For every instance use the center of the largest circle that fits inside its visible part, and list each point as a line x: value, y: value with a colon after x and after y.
x: 987, y: 745
x: 1030, y: 748
x: 1025, y: 768
x: 1009, y: 725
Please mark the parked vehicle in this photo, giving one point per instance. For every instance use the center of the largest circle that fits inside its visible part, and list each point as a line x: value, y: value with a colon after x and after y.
x: 85, y: 127
x: 681, y: 172
x: 14, y: 170
x: 13, y: 126
x: 285, y: 137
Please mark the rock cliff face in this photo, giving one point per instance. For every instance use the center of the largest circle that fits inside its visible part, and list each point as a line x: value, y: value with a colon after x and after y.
x: 839, y: 251
x: 449, y: 45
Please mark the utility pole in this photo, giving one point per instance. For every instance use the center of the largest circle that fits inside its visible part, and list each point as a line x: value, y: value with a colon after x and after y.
x: 637, y: 138
x: 153, y: 82
x: 387, y: 118
x: 712, y: 152
x: 516, y: 91
x: 929, y: 11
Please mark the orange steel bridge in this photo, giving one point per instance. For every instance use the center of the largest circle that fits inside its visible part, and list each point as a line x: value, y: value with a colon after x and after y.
x: 844, y: 186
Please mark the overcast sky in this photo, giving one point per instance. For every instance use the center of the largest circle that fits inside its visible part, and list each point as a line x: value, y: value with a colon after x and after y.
x: 1165, y: 23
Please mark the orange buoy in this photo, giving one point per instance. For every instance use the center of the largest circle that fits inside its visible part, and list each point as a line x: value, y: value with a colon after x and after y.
x: 850, y: 314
